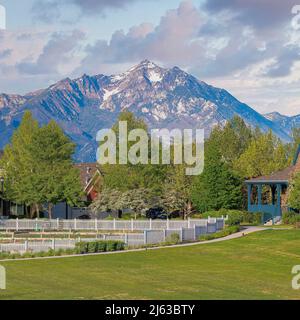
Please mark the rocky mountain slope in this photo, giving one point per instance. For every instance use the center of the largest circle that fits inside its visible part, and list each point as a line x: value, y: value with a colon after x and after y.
x: 164, y: 98
x: 284, y: 122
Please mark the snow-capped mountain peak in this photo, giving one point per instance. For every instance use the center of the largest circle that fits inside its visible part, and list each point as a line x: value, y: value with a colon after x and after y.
x: 164, y: 98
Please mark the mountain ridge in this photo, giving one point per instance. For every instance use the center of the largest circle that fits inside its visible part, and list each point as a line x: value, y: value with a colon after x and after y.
x: 164, y: 98
x: 285, y: 122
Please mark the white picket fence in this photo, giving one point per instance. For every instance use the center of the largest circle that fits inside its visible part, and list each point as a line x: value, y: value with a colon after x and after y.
x: 195, y: 229
x: 98, y: 225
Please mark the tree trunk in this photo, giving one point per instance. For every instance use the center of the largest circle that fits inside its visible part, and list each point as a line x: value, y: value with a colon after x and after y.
x: 50, y: 207
x: 29, y: 212
x: 188, y: 209
x: 37, y: 208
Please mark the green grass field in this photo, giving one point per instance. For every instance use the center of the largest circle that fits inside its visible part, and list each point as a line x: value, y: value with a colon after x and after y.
x: 257, y: 266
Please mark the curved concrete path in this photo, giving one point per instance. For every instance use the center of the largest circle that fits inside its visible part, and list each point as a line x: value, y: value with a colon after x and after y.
x: 242, y: 233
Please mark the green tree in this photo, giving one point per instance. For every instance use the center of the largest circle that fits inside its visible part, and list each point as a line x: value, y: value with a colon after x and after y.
x: 294, y: 193
x: 232, y: 139
x: 265, y: 154
x: 291, y: 148
x: 138, y: 200
x: 54, y: 178
x: 218, y: 186
x: 108, y: 200
x: 18, y: 163
x: 176, y: 195
x: 131, y: 177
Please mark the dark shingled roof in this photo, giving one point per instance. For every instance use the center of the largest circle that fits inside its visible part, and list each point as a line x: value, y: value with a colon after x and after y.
x: 280, y: 176
x: 283, y: 176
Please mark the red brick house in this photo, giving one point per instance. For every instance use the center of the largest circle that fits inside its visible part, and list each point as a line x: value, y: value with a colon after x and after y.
x: 90, y: 176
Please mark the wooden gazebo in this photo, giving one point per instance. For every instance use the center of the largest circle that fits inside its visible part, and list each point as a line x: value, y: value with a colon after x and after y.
x: 278, y: 183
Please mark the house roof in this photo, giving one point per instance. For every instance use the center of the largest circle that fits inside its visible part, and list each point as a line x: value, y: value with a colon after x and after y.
x: 87, y: 173
x: 282, y: 176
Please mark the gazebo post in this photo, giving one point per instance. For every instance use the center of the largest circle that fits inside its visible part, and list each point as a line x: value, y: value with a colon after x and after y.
x: 273, y: 194
x: 259, y: 200
x: 279, y: 197
x: 249, y: 187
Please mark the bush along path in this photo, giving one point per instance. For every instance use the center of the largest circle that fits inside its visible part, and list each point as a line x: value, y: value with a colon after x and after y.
x: 117, y: 247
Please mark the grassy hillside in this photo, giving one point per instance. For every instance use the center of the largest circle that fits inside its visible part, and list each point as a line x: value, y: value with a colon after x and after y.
x: 254, y: 267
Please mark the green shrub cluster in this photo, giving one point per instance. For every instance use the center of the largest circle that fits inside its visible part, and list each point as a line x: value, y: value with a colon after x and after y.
x: 174, y: 238
x: 81, y: 248
x: 235, y: 217
x: 99, y: 246
x: 27, y: 255
x: 291, y: 218
x: 220, y: 234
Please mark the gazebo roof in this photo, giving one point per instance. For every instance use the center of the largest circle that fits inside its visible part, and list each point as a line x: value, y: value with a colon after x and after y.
x: 283, y: 176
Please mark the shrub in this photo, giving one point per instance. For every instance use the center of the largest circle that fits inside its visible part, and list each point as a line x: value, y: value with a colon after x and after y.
x: 26, y: 255
x: 60, y: 252
x: 43, y: 254
x: 51, y: 253
x: 4, y: 255
x: 102, y: 246
x: 220, y: 234
x: 289, y: 217
x: 120, y: 246
x: 173, y: 238
x: 234, y: 220
x: 297, y: 221
x: 111, y: 245
x: 81, y: 247
x: 70, y: 252
x: 98, y: 246
x: 235, y: 217
x: 93, y: 247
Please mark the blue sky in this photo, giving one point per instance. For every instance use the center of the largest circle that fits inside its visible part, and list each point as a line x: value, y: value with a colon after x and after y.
x: 248, y: 47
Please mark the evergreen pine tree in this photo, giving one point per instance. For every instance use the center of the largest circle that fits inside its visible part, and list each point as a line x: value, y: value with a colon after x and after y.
x: 217, y: 187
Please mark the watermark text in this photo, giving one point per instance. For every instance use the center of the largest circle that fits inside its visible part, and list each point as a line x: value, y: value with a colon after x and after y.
x: 159, y: 147
x: 2, y: 278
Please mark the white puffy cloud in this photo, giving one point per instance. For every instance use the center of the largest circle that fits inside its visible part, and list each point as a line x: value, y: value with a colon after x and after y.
x: 31, y: 60
x: 247, y: 46
x: 173, y: 41
x: 57, y: 52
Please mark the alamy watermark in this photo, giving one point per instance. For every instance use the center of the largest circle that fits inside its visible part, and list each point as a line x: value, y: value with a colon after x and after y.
x: 2, y: 278
x: 296, y: 18
x: 159, y: 147
x: 2, y: 17
x: 296, y: 278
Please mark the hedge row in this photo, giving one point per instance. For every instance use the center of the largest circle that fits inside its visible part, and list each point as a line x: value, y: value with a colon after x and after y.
x: 99, y: 246
x: 235, y: 217
x: 220, y: 234
x: 50, y: 253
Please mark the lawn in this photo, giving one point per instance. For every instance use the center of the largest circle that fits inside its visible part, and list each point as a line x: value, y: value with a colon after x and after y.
x: 257, y: 266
